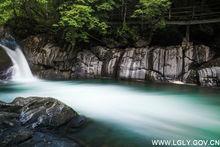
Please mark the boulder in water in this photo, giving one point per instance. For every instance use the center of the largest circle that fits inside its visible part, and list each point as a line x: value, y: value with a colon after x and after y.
x: 30, y: 121
x: 44, y: 112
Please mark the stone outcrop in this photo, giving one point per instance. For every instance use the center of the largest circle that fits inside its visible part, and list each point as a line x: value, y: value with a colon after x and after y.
x: 32, y: 122
x: 210, y: 76
x: 182, y: 63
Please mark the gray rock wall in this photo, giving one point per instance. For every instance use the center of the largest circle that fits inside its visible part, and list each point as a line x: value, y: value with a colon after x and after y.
x: 209, y: 76
x: 183, y: 63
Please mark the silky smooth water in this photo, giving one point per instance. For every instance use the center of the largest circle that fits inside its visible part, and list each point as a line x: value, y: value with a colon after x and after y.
x: 20, y: 70
x: 129, y: 114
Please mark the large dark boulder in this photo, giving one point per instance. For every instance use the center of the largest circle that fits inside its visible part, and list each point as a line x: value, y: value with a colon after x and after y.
x: 37, y: 121
x: 43, y: 112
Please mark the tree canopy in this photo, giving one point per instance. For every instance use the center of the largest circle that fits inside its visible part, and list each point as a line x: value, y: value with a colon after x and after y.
x: 83, y: 20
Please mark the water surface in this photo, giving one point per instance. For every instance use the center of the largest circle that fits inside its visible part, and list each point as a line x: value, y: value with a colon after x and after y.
x: 129, y: 114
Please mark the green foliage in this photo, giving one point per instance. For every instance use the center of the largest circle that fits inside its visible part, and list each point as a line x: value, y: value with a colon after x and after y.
x: 7, y: 10
x: 43, y: 11
x: 153, y: 11
x: 105, y: 6
x: 126, y: 35
x: 83, y: 20
x: 78, y: 20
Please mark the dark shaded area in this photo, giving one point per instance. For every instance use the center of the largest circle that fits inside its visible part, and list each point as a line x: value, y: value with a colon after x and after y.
x: 170, y: 35
x: 207, y: 34
x: 22, y: 27
x: 5, y: 61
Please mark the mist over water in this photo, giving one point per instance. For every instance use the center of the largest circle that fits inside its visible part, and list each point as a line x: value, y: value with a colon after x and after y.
x: 146, y: 112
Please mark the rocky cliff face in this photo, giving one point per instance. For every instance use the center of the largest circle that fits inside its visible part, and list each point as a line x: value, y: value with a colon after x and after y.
x: 187, y: 62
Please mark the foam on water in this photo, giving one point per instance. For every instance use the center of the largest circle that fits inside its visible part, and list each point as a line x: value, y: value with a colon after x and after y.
x: 148, y: 113
x: 20, y: 70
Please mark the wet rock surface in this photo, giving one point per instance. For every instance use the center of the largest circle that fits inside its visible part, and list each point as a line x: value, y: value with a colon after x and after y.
x: 5, y: 62
x: 210, y: 76
x: 163, y: 64
x: 42, y: 139
x: 37, y: 122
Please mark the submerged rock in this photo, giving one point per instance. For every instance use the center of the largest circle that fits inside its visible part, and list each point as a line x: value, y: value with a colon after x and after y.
x: 22, y: 120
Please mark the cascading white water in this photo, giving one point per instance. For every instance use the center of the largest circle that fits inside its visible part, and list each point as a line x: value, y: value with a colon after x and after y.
x: 20, y: 70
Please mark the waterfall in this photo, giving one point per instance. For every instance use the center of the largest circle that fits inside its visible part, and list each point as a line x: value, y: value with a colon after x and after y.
x: 20, y: 70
